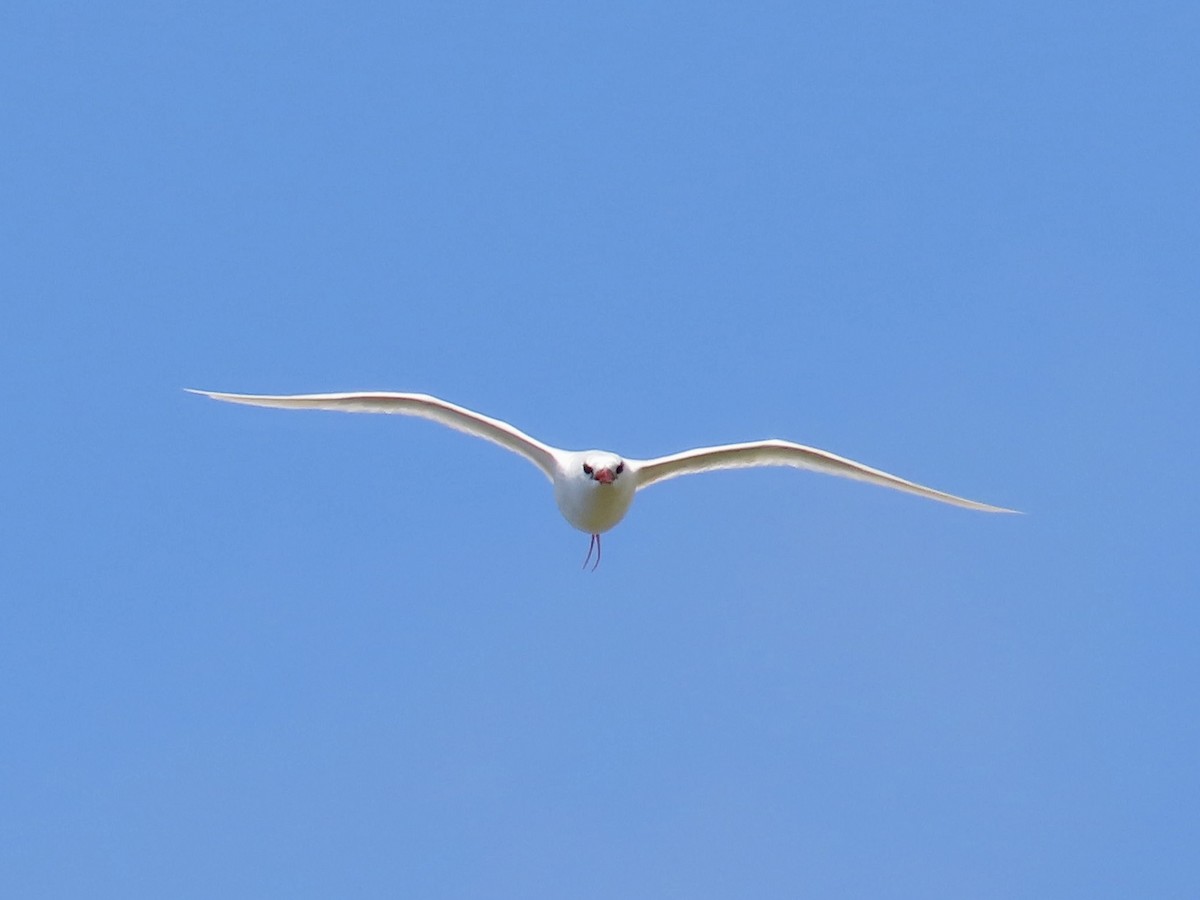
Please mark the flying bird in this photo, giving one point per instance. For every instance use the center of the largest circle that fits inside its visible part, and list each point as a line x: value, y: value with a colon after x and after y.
x: 594, y: 488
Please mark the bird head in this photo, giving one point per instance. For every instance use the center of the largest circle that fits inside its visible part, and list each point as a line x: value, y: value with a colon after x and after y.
x: 603, y: 468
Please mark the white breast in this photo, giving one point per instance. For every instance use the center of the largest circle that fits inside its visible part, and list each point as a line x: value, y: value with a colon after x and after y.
x: 592, y: 507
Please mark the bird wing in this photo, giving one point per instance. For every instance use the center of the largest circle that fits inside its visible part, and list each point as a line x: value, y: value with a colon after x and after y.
x: 784, y: 453
x: 420, y: 405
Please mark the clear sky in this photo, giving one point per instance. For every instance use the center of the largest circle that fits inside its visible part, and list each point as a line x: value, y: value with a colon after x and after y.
x: 256, y: 653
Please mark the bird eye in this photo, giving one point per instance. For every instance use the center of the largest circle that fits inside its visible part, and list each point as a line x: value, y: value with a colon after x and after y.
x: 620, y: 467
x: 587, y: 470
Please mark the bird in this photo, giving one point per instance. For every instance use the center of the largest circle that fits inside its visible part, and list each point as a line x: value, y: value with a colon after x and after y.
x: 595, y: 488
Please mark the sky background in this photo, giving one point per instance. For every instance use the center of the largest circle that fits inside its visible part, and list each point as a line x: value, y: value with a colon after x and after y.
x: 256, y: 653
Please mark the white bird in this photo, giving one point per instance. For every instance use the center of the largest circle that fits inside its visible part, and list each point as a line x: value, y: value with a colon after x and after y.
x: 594, y: 488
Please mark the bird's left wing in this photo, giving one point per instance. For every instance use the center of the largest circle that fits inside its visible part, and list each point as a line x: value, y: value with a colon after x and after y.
x: 785, y: 453
x: 421, y: 405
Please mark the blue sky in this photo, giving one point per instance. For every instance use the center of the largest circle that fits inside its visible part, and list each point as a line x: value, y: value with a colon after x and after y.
x: 249, y: 653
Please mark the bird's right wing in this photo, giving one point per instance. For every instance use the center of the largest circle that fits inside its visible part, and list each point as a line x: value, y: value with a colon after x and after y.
x: 420, y: 405
x: 785, y: 453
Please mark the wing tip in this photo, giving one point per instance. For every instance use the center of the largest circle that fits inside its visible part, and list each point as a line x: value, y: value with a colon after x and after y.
x: 219, y: 395
x: 989, y: 508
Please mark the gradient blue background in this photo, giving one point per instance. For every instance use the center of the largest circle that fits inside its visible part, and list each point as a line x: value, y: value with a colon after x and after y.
x: 251, y: 653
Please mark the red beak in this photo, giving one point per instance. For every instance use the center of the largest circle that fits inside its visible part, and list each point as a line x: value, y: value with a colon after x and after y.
x: 604, y: 476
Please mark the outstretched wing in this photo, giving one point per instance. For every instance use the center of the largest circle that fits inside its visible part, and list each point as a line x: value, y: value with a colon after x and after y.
x: 784, y: 453
x: 420, y: 405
